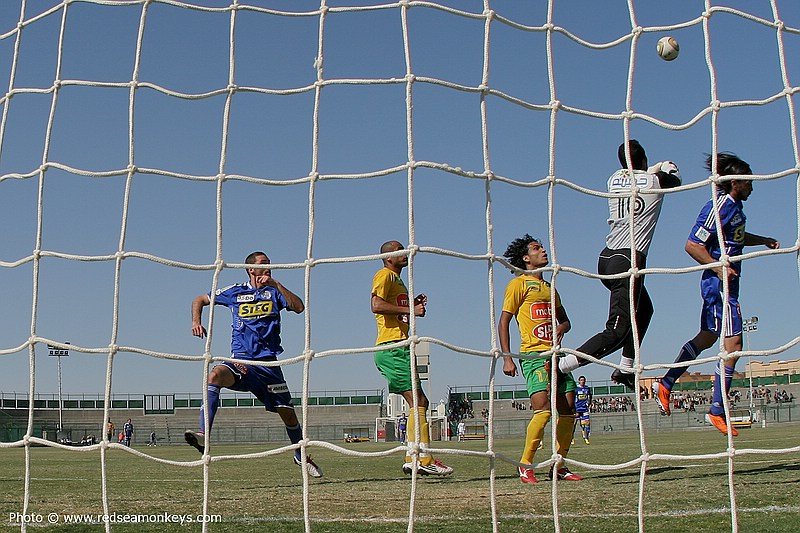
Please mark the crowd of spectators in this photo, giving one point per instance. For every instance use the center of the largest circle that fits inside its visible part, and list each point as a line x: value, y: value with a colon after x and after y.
x: 519, y: 406
x: 612, y: 404
x: 772, y: 396
x: 460, y: 408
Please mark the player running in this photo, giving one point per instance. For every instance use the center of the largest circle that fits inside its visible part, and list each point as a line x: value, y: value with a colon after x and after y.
x: 583, y: 399
x: 616, y: 258
x: 704, y: 247
x: 527, y: 298
x: 255, y: 306
x: 389, y: 303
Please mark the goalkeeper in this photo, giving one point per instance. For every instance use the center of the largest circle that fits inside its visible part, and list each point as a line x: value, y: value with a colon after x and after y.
x: 390, y: 304
x: 255, y: 306
x: 616, y: 258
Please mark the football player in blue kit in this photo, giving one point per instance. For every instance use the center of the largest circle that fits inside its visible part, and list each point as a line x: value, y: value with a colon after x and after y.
x: 255, y: 306
x: 704, y: 247
x: 583, y: 399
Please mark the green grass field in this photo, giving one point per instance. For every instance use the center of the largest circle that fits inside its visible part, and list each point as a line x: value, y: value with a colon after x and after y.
x: 370, y: 494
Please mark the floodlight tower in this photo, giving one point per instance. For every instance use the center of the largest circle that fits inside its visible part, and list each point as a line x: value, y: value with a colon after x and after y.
x: 750, y: 326
x: 55, y: 351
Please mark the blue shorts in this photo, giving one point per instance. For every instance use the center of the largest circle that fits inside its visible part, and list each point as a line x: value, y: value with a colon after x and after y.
x: 582, y: 416
x: 711, y: 315
x: 265, y: 382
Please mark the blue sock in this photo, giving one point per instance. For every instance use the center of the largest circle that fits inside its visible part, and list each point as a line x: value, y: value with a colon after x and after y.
x: 295, y: 435
x: 213, y: 405
x: 716, y: 396
x: 689, y: 352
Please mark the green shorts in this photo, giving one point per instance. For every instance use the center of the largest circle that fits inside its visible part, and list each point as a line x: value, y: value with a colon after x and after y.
x: 395, y: 365
x: 537, y: 378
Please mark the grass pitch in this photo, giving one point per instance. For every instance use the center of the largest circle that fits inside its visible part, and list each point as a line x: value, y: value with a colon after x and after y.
x: 370, y: 494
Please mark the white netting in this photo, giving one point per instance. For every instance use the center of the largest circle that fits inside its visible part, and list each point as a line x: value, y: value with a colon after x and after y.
x: 492, y: 17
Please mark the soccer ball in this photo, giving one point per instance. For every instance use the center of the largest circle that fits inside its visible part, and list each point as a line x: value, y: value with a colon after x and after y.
x: 668, y: 48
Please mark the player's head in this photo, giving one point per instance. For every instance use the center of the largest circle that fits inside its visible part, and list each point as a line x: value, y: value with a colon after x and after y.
x: 638, y: 155
x: 582, y: 380
x: 258, y: 275
x: 396, y: 263
x: 728, y: 164
x: 526, y: 253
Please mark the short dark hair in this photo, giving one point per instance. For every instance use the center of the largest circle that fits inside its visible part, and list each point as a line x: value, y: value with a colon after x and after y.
x: 638, y: 155
x: 518, y: 249
x: 728, y: 164
x: 251, y: 259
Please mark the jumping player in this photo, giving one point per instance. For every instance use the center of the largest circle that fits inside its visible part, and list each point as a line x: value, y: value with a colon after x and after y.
x: 527, y: 298
x: 255, y: 306
x: 583, y: 399
x: 704, y: 247
x: 389, y: 303
x: 616, y: 258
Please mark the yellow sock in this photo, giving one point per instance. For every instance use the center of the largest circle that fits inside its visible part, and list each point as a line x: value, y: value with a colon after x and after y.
x: 564, y: 428
x: 411, y: 429
x: 534, y: 435
x: 424, y: 438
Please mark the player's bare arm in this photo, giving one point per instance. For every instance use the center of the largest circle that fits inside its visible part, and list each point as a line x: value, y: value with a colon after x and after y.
x: 756, y: 240
x: 197, y: 315
x: 509, y: 367
x: 563, y: 325
x: 382, y: 307
x: 295, y: 303
x: 699, y: 253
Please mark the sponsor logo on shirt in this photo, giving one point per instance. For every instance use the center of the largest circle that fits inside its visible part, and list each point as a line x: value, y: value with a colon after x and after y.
x: 702, y: 234
x: 255, y: 310
x: 624, y: 182
x: 245, y: 298
x: 544, y: 332
x: 540, y: 311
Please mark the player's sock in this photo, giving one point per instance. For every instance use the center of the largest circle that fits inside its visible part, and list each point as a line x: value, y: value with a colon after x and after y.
x: 564, y: 425
x: 295, y: 434
x: 213, y: 405
x: 568, y: 363
x: 533, y: 437
x: 424, y: 437
x: 625, y: 362
x: 689, y: 352
x: 411, y: 433
x: 586, y: 429
x: 717, y: 408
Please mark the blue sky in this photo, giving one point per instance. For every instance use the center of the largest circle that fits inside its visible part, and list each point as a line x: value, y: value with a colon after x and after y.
x: 363, y: 129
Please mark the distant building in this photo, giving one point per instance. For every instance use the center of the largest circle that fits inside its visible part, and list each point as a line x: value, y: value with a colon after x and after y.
x: 773, y: 368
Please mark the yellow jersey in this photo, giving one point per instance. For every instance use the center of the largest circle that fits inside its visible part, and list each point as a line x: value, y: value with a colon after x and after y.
x: 528, y: 299
x: 390, y: 287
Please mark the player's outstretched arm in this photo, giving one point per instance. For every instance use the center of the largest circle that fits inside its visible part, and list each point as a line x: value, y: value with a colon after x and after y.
x: 197, y: 315
x: 751, y: 239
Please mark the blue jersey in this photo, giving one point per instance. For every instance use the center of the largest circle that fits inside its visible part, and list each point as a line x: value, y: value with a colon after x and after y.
x: 256, y: 319
x: 583, y: 397
x: 733, y: 221
x: 128, y: 429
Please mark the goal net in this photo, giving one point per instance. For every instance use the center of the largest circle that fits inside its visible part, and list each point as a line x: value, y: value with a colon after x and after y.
x: 147, y: 146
